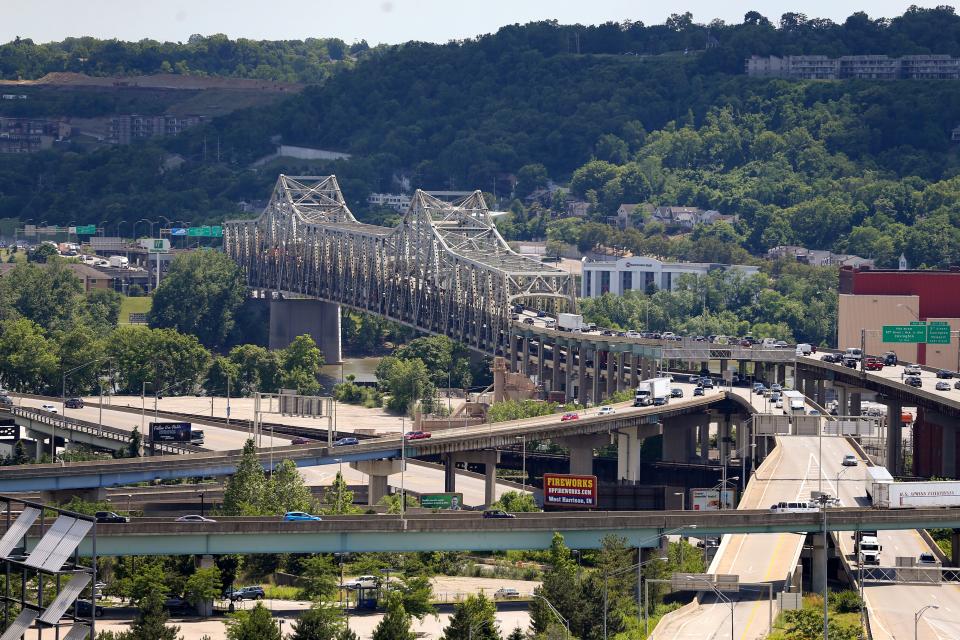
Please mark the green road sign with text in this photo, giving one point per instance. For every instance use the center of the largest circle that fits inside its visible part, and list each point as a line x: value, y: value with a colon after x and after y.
x: 87, y: 230
x: 938, y: 333
x: 904, y: 333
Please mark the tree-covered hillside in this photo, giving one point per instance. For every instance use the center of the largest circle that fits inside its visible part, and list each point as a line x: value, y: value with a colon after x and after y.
x: 865, y: 167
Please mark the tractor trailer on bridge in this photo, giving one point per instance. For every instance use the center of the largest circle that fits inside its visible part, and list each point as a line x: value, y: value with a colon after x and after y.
x: 652, y: 391
x: 884, y: 493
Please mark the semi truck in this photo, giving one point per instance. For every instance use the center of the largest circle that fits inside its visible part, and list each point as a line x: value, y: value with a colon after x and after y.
x: 793, y: 402
x: 869, y: 549
x: 652, y: 391
x: 884, y: 493
x: 569, y: 322
x: 119, y: 262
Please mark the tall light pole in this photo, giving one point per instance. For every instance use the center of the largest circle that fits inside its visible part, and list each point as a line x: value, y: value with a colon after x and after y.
x: 720, y: 597
x: 638, y: 566
x: 918, y: 615
x: 63, y: 406
x: 554, y: 611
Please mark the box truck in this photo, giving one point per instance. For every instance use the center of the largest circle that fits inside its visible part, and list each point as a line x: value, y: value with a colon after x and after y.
x: 569, y: 322
x: 793, y: 402
x: 119, y: 262
x: 652, y: 391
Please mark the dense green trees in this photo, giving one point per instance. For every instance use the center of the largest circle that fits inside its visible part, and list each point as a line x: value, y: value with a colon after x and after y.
x: 199, y: 295
x: 249, y: 492
x: 253, y: 624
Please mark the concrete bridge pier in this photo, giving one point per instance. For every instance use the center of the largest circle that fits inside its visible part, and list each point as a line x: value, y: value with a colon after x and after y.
x: 704, y: 437
x: 612, y: 373
x: 290, y: 318
x: 554, y: 366
x: 843, y: 399
x: 818, y: 560
x: 487, y: 457
x: 634, y: 370
x: 581, y: 451
x: 378, y: 472
x: 569, y: 372
x: 525, y: 362
x: 679, y: 437
x: 894, y: 436
x: 595, y: 382
x: 781, y: 373
x: 855, y: 403
x: 629, y: 442
x: 581, y: 374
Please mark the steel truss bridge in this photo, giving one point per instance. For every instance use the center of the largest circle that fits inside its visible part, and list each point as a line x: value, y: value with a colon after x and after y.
x: 443, y: 270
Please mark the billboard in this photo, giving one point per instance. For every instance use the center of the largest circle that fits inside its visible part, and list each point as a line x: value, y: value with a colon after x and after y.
x: 169, y: 432
x: 443, y: 501
x: 564, y: 490
x: 709, y: 499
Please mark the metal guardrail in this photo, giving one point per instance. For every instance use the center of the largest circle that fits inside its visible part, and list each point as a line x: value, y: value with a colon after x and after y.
x: 109, y: 433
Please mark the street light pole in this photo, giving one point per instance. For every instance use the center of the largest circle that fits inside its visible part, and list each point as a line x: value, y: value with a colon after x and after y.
x: 918, y: 615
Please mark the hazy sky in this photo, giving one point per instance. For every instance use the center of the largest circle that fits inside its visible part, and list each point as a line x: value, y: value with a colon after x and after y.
x: 377, y: 21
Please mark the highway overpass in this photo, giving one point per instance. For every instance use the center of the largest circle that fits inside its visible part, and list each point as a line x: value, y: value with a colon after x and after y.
x: 469, y: 531
x: 97, y: 474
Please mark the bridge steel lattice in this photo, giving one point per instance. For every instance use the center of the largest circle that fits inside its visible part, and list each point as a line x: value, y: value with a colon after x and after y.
x: 443, y: 270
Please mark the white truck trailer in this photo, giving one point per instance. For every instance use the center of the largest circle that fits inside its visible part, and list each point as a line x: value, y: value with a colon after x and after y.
x: 569, y: 322
x: 652, y: 391
x: 884, y: 493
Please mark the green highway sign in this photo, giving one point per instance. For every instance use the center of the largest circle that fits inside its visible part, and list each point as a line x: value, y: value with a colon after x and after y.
x: 205, y: 232
x: 938, y: 333
x: 86, y: 230
x: 905, y: 333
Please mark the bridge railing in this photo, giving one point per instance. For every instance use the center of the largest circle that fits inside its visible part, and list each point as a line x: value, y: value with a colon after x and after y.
x: 94, y: 429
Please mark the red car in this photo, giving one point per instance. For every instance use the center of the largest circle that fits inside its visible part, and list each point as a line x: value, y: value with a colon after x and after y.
x: 299, y: 440
x: 416, y: 435
x: 569, y: 416
x: 873, y: 364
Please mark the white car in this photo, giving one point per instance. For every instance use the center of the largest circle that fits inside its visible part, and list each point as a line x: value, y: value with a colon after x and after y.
x: 46, y: 406
x: 505, y: 593
x: 194, y: 518
x: 849, y: 460
x: 606, y: 411
x: 912, y: 370
x: 362, y: 582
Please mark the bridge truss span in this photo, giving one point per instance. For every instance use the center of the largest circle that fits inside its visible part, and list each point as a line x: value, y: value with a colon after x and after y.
x: 444, y: 269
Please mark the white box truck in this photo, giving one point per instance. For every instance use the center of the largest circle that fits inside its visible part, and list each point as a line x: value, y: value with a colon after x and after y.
x: 119, y: 262
x: 652, y: 391
x: 793, y: 402
x: 569, y: 322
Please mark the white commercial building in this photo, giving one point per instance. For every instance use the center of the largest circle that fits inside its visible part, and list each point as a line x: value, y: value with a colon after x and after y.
x: 639, y: 272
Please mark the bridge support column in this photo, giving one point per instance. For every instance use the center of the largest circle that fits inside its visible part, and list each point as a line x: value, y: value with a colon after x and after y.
x: 569, y: 371
x: 818, y: 575
x: 742, y: 364
x: 821, y: 392
x: 679, y: 441
x: 949, y: 452
x: 449, y: 473
x: 611, y: 373
x: 843, y: 399
x: 629, y: 442
x: 781, y: 373
x: 296, y: 317
x: 621, y: 379
x: 490, y: 478
x: 723, y: 366
x: 894, y: 437
x: 512, y: 366
x: 541, y: 366
x: 704, y: 430
x: 525, y: 362
x: 855, y: 403
x: 581, y: 451
x: 378, y: 472
x: 582, y: 374
x: 554, y: 365
x: 634, y: 370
